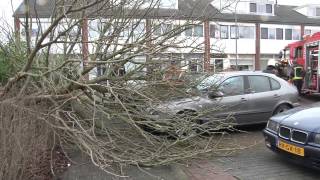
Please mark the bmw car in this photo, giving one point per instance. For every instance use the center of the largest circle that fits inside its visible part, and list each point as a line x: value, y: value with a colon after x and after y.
x: 295, y: 134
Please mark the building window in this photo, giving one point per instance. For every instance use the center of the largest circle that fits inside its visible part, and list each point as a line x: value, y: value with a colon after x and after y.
x: 269, y: 8
x: 177, y: 29
x: 198, y: 31
x: 188, y: 31
x: 246, y: 32
x: 317, y: 11
x: 224, y: 32
x: 157, y: 30
x: 261, y: 8
x: 214, y: 31
x: 162, y: 29
x: 33, y: 32
x: 195, y: 31
x: 264, y: 33
x: 166, y: 28
x: 295, y: 34
x: 253, y: 7
x: 271, y: 33
x: 216, y: 65
x: 279, y: 34
x: 193, y: 66
x: 288, y: 34
x: 243, y: 67
x: 307, y: 32
x: 233, y: 32
x: 139, y: 29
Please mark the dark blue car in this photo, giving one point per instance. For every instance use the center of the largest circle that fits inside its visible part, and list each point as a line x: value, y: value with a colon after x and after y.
x: 295, y: 134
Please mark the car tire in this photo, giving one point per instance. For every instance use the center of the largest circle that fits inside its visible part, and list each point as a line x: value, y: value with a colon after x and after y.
x: 282, y: 108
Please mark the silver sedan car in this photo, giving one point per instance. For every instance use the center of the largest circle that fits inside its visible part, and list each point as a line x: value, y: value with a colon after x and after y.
x: 249, y: 97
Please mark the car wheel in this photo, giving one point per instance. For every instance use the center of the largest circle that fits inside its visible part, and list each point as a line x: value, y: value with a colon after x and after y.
x: 282, y: 108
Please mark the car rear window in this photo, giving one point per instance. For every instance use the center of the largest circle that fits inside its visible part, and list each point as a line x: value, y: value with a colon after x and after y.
x: 232, y: 86
x: 275, y: 85
x: 259, y: 83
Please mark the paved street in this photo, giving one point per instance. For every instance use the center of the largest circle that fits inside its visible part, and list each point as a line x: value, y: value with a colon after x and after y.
x: 258, y: 162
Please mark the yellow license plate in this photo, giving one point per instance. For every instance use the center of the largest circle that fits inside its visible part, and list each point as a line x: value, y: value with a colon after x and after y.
x: 291, y: 148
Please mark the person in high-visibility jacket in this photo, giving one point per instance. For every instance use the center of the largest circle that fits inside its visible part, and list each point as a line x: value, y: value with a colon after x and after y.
x: 297, y: 75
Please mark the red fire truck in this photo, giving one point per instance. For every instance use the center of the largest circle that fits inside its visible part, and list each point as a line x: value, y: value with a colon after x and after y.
x: 306, y: 53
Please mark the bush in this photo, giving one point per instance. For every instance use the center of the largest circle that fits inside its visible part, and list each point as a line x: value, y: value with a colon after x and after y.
x: 12, y: 57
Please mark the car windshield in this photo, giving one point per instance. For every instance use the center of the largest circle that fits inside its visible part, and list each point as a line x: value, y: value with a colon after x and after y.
x: 210, y: 82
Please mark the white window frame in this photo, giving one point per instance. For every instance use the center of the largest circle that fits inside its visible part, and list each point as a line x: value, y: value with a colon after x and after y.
x: 227, y: 33
x: 261, y: 8
x: 270, y: 31
x: 213, y: 63
x: 192, y: 28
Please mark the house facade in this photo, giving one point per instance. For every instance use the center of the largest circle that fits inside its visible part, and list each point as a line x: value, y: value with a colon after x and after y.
x: 244, y: 34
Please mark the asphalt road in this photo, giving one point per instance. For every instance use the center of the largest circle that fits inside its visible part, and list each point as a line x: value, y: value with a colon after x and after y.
x: 258, y: 162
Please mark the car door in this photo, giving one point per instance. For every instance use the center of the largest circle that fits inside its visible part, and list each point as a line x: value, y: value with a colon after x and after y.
x: 234, y: 101
x: 262, y: 98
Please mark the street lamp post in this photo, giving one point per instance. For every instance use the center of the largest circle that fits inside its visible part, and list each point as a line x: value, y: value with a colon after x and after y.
x: 237, y: 32
x: 237, y: 36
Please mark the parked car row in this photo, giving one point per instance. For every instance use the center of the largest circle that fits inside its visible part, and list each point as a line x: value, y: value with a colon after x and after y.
x: 252, y: 98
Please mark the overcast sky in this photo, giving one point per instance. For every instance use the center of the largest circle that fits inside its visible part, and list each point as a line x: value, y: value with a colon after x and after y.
x: 7, y: 6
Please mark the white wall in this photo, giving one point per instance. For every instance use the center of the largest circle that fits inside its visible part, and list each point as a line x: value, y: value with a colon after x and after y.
x: 303, y: 10
x: 228, y: 46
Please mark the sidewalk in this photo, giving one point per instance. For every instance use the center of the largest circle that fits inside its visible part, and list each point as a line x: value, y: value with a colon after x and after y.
x: 204, y: 170
x: 198, y: 170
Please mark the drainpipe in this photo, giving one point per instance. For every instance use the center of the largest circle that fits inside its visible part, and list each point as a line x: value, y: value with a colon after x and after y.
x: 257, y: 56
x: 207, y: 57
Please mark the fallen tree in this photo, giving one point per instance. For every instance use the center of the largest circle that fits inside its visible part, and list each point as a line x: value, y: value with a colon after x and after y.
x: 52, y: 101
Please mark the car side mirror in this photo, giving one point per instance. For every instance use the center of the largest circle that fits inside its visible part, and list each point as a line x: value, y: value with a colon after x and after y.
x: 215, y: 94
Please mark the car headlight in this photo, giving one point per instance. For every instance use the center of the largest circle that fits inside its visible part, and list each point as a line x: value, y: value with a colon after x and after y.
x: 273, y: 126
x: 317, y: 139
